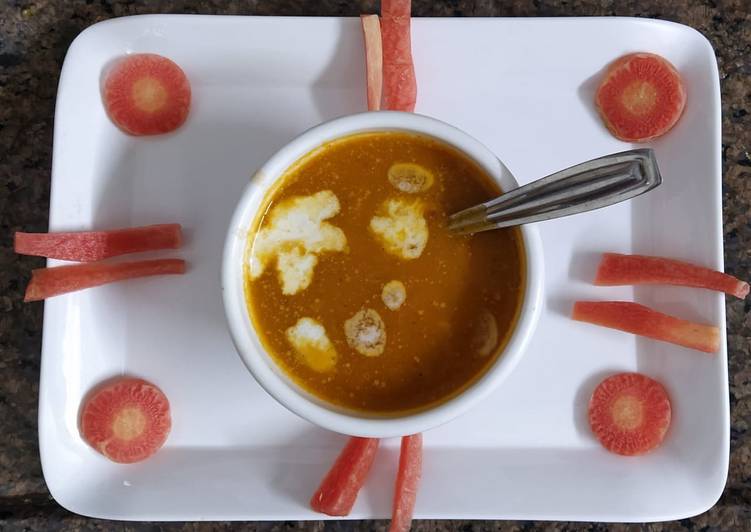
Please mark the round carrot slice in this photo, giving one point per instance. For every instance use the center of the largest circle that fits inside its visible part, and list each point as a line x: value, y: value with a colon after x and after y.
x: 641, y: 97
x: 126, y: 419
x: 147, y: 94
x: 629, y: 413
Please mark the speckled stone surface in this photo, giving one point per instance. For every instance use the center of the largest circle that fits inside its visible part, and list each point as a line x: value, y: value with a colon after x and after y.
x: 34, y: 36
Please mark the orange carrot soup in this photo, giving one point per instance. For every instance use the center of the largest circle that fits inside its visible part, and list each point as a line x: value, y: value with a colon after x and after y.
x: 358, y: 290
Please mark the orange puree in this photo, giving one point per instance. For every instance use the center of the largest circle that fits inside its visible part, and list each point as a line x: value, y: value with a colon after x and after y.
x: 357, y: 288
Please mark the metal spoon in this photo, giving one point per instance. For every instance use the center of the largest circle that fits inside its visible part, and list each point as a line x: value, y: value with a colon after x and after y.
x: 585, y: 187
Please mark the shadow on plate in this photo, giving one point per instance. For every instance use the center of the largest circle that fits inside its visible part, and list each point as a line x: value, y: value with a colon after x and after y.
x: 193, y: 177
x: 340, y: 88
x: 583, y: 266
x: 586, y: 93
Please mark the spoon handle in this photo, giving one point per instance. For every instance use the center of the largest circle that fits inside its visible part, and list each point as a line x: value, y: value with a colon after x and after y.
x: 585, y: 187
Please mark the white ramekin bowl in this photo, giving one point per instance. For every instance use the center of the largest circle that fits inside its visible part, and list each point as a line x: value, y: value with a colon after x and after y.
x: 263, y: 367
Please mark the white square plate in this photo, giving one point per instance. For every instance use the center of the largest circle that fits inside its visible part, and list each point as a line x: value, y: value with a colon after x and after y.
x: 525, y: 89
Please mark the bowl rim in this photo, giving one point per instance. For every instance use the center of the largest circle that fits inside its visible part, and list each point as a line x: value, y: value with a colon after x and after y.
x: 260, y: 364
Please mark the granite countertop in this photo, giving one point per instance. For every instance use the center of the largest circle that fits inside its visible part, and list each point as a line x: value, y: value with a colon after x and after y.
x: 34, y: 36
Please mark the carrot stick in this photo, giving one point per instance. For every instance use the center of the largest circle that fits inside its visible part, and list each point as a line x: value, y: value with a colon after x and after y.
x: 338, y: 491
x: 399, y: 82
x: 616, y: 269
x: 371, y: 29
x: 407, y: 481
x: 49, y: 282
x: 643, y: 321
x: 89, y: 246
